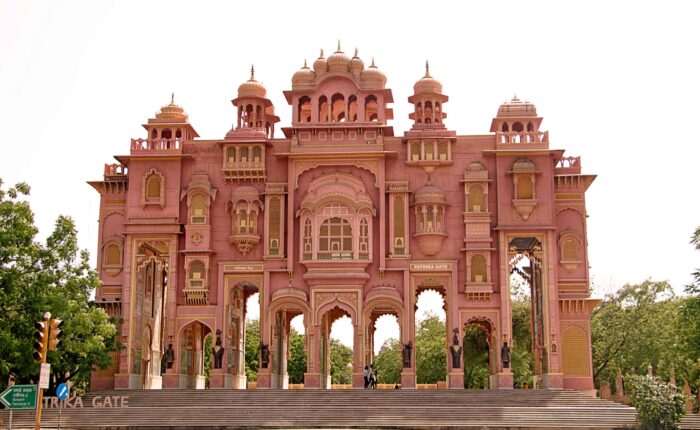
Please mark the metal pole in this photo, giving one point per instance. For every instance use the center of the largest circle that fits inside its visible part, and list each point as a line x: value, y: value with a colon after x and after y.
x: 40, y: 391
x: 60, y: 409
x: 10, y: 423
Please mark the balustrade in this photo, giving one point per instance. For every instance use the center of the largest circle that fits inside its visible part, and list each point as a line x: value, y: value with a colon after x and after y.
x: 115, y: 169
x: 151, y: 145
x: 522, y: 137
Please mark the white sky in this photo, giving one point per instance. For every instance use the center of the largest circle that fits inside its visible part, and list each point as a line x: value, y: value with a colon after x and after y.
x: 616, y: 82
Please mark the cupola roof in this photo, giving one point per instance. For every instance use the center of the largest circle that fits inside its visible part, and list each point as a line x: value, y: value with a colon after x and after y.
x: 338, y: 61
x: 172, y: 111
x: 516, y: 108
x: 303, y: 76
x: 427, y: 84
x: 430, y: 193
x: 373, y: 77
x: 252, y: 88
x: 320, y: 65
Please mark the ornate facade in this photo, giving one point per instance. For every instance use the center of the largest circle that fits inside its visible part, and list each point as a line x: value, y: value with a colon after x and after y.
x: 339, y: 217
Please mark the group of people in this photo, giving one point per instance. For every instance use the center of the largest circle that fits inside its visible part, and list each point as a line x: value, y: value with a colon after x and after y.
x: 370, y: 375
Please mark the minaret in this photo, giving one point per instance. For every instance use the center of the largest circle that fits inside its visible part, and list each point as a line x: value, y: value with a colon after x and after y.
x: 427, y: 100
x: 254, y: 109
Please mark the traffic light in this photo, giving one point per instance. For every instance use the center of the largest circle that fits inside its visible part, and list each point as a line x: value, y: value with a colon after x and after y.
x: 55, y: 334
x: 40, y: 339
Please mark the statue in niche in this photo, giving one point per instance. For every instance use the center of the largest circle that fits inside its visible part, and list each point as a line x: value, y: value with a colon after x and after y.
x: 264, y: 355
x: 218, y: 350
x: 455, y: 349
x: 505, y: 355
x: 169, y: 356
x: 406, y: 354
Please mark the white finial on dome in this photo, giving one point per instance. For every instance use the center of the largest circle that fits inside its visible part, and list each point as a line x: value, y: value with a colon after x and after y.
x: 356, y: 53
x: 321, y: 55
x: 339, y: 50
x: 252, y: 72
x: 172, y: 98
x: 427, y: 70
x: 372, y: 65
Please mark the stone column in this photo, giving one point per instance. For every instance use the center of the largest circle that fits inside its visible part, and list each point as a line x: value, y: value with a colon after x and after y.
x: 312, y: 376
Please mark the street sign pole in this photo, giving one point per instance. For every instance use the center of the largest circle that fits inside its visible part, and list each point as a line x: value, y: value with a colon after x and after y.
x: 10, y: 423
x: 62, y: 393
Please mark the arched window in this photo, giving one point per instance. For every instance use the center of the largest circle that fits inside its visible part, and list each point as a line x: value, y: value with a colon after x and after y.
x: 530, y: 127
x: 305, y: 109
x: 338, y: 108
x: 438, y: 114
x: 248, y: 116
x: 231, y: 154
x: 476, y: 201
x: 112, y: 256
x: 570, y: 250
x: 167, y: 134
x: 198, y: 209
x: 257, y: 154
x: 478, y: 268
x: 443, y: 153
x: 258, y: 116
x: 504, y: 127
x: 244, y: 154
x: 323, y: 109
x: 524, y: 187
x: 153, y: 188
x: 178, y: 134
x: 518, y: 127
x: 415, y: 151
x: 352, y: 108
x: 364, y: 240
x: 274, y: 233
x: 308, y: 246
x: 154, y: 134
x: 335, y: 240
x: 371, y: 108
x: 197, y: 274
x: 428, y: 112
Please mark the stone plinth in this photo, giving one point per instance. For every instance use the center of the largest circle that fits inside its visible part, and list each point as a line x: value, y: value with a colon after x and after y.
x: 408, y: 379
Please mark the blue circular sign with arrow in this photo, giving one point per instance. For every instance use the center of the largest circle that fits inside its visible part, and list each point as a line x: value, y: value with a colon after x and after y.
x: 62, y: 391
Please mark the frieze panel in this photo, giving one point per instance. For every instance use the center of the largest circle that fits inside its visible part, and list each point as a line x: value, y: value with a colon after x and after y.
x: 300, y: 166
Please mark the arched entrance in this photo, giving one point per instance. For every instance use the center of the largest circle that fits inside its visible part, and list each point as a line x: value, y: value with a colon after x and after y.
x: 235, y: 331
x: 287, y: 304
x: 479, y: 358
x: 384, y: 308
x: 192, y: 351
x: 431, y: 334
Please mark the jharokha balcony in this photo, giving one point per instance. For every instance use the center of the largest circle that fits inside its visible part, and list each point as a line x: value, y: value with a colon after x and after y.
x: 522, y: 137
x: 156, y: 146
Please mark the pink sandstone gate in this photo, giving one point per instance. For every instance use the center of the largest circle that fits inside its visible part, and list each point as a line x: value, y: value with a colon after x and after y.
x: 339, y: 217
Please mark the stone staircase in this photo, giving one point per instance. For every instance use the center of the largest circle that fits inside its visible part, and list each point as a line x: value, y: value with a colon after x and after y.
x: 428, y: 409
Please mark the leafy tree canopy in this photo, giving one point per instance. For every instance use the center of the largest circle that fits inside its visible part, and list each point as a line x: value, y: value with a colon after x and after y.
x: 388, y: 362
x: 53, y: 277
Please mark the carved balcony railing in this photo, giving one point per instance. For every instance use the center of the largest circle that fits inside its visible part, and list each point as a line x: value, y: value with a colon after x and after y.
x: 156, y: 146
x: 244, y: 170
x: 522, y: 137
x: 116, y: 170
x: 568, y: 166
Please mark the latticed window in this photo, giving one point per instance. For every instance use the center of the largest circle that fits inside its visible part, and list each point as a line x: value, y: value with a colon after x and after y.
x: 443, y: 153
x: 575, y: 352
x: 197, y: 277
x: 244, y: 154
x: 524, y: 187
x: 335, y: 240
x: 364, y: 240
x: 198, y: 209
x: 257, y: 154
x: 274, y: 233
x: 153, y: 186
x: 112, y: 255
x: 415, y: 151
x: 308, y: 246
x: 399, y: 239
x: 479, y: 269
x: 476, y: 199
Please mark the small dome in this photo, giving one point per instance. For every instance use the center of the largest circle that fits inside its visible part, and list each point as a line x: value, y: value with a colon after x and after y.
x: 427, y: 84
x: 252, y: 88
x: 430, y: 194
x: 303, y: 76
x: 523, y: 165
x: 372, y: 77
x: 516, y: 108
x: 320, y: 65
x: 475, y: 166
x: 338, y: 61
x: 172, y: 111
x: 356, y: 64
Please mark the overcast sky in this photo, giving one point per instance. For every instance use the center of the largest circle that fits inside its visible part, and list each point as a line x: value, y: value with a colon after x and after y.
x: 616, y: 82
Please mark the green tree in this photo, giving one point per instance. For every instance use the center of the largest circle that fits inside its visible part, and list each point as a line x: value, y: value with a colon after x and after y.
x: 54, y: 277
x: 208, y: 345
x: 659, y: 405
x: 431, y: 348
x: 341, y: 356
x: 387, y: 363
x: 296, y: 366
x: 252, y: 341
x: 476, y: 359
x: 637, y: 326
x: 522, y: 362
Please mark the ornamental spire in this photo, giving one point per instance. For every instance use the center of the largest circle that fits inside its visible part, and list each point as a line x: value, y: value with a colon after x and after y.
x: 427, y: 70
x: 252, y: 72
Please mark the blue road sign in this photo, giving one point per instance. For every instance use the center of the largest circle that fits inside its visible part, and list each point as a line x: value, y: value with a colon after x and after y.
x: 62, y: 391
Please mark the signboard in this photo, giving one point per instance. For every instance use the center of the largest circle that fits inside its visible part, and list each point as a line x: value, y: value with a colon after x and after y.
x: 44, y: 375
x: 62, y: 391
x: 19, y: 397
x: 431, y: 267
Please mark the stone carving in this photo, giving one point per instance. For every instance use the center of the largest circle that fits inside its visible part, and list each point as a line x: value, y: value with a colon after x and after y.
x: 169, y: 356
x: 264, y: 355
x: 218, y: 350
x: 505, y: 355
x: 406, y: 354
x: 456, y: 349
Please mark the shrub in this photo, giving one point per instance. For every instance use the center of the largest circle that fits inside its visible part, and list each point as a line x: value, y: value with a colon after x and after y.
x: 659, y: 405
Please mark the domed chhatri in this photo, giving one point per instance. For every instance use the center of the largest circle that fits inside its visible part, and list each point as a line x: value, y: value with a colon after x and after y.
x: 340, y: 216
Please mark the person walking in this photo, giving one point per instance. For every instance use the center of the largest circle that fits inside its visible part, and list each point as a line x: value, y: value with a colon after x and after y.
x: 366, y: 376
x: 372, y: 378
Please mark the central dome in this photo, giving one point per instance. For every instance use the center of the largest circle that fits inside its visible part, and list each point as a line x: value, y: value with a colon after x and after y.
x: 252, y: 88
x: 338, y: 61
x: 427, y: 84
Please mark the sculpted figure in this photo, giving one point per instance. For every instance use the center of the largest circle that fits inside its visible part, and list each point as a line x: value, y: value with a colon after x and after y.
x: 455, y: 350
x: 218, y: 351
x: 169, y: 356
x: 406, y: 354
x: 505, y: 355
x: 264, y: 355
